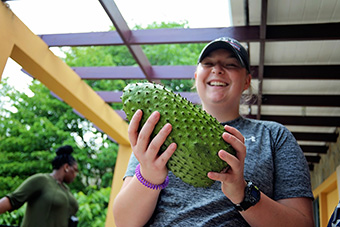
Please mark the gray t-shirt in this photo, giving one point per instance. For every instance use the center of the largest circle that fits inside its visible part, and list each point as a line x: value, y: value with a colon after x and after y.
x: 274, y: 162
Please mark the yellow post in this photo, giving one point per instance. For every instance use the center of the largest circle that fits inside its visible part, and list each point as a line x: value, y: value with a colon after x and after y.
x: 5, y: 50
x: 123, y: 157
x: 6, y: 45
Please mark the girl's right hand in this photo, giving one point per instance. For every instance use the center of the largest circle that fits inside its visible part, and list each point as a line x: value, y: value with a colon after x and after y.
x: 152, y: 166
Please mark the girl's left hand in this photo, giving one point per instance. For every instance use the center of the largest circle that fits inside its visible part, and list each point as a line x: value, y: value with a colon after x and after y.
x: 233, y: 183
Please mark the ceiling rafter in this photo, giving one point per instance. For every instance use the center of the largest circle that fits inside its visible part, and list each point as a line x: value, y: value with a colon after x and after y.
x: 196, y: 35
x: 125, y: 33
x: 326, y: 121
x: 133, y: 72
x: 314, y: 72
x: 263, y: 28
x: 315, y: 136
x: 314, y: 149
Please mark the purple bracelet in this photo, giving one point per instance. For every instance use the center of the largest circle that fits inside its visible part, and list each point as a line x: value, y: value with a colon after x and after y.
x: 147, y: 183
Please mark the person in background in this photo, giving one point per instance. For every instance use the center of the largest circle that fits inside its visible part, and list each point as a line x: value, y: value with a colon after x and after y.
x: 49, y: 200
x: 267, y: 184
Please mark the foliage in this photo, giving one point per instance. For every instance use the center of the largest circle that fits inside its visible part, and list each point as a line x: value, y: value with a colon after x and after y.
x: 13, y: 218
x: 31, y: 128
x: 93, y: 207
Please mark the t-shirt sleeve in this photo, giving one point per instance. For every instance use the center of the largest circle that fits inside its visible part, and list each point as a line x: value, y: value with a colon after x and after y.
x: 292, y: 177
x: 133, y: 162
x: 26, y: 191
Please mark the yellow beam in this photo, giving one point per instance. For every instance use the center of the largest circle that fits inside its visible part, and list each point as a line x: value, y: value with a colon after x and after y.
x: 35, y: 57
x: 5, y: 51
x: 6, y: 45
x: 123, y: 157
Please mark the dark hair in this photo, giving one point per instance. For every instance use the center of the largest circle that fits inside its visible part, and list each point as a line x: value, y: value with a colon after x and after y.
x: 63, y: 156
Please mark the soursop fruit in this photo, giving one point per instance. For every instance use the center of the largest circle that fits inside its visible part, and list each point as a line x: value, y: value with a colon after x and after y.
x: 196, y: 133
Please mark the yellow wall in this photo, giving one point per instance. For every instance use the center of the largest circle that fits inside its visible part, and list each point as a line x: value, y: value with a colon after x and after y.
x: 332, y: 201
x: 328, y: 194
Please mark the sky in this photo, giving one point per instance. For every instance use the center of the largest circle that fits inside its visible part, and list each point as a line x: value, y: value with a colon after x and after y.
x: 73, y: 16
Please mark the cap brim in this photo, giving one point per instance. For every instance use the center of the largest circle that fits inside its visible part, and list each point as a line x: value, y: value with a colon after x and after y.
x: 220, y: 45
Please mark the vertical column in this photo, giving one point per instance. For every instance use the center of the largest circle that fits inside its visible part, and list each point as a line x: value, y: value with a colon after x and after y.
x: 6, y: 47
x: 5, y: 51
x: 6, y: 37
x: 123, y: 157
x: 338, y: 179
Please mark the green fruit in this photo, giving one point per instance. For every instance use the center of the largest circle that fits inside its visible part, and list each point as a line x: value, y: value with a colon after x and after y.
x: 197, y: 134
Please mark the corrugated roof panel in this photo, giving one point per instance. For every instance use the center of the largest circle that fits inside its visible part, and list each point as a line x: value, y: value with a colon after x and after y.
x: 302, y: 52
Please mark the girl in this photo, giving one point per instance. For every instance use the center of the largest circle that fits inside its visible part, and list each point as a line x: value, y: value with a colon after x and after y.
x: 267, y: 184
x: 49, y: 200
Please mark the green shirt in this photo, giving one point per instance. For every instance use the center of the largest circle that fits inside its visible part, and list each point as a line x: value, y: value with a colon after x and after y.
x: 48, y: 203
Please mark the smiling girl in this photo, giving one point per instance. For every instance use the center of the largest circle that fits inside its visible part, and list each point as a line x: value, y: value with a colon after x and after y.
x: 267, y: 184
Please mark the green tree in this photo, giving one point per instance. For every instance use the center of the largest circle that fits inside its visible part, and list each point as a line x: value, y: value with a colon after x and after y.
x: 31, y: 128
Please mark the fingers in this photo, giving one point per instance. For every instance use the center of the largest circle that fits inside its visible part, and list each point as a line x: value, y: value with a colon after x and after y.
x: 133, y: 127
x: 235, y: 163
x: 145, y: 149
x: 165, y: 156
x: 158, y: 140
x: 233, y: 182
x: 146, y: 131
x: 217, y: 176
x: 234, y: 132
x: 236, y: 140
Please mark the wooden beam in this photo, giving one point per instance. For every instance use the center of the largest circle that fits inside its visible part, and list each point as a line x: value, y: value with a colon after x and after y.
x: 6, y: 47
x: 35, y: 57
x: 322, y: 72
x: 313, y: 159
x: 316, y: 136
x: 263, y: 27
x: 196, y: 35
x: 314, y: 149
x: 302, y: 100
x: 326, y: 31
x: 110, y: 73
x: 126, y: 35
x: 133, y: 72
x: 109, y: 38
x: 326, y: 121
x: 151, y: 36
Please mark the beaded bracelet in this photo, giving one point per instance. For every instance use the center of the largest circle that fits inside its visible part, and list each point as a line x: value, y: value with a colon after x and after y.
x: 147, y: 183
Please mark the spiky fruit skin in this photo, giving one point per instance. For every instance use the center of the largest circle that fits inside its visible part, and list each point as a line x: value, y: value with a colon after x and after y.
x: 196, y: 133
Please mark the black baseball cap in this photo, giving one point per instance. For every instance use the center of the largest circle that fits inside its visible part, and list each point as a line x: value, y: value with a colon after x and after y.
x: 229, y: 44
